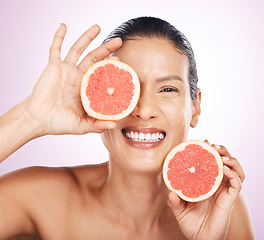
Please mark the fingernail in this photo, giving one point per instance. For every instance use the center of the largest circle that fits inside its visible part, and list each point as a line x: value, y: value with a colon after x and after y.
x: 225, y: 158
x: 217, y: 146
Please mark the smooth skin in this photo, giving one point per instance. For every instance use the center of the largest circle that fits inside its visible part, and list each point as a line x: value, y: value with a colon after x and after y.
x: 126, y: 197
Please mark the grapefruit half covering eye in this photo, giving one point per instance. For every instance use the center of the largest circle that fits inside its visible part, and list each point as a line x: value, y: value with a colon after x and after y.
x: 193, y: 170
x: 110, y: 90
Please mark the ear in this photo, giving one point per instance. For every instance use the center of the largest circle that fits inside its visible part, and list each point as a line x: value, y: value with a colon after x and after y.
x: 196, y: 109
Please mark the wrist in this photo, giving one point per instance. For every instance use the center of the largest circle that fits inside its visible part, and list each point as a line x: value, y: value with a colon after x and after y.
x: 17, y: 128
x: 31, y: 127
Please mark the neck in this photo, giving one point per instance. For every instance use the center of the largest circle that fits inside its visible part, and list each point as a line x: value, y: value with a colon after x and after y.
x: 137, y: 195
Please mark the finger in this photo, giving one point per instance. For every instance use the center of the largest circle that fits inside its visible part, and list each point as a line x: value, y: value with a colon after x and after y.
x: 233, y: 164
x: 101, y: 125
x: 92, y: 125
x: 100, y: 53
x: 81, y: 44
x: 177, y: 205
x: 55, y: 49
x: 235, y: 184
x: 112, y: 58
x: 221, y: 150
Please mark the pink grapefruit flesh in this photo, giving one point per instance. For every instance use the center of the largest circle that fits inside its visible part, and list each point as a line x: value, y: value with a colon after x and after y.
x: 110, y: 90
x: 193, y: 170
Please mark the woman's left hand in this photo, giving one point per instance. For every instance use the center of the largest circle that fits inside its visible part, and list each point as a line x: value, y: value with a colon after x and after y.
x: 209, y: 219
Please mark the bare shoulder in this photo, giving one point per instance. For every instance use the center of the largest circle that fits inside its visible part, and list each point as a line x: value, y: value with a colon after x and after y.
x: 37, y: 199
x: 26, y: 195
x: 35, y: 184
x: 241, y: 217
x: 44, y: 181
x: 34, y: 178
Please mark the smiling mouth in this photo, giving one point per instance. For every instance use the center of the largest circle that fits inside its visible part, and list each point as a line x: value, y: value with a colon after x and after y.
x: 149, y: 137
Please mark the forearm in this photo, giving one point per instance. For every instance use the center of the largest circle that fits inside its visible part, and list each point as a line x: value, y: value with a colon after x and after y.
x: 17, y: 128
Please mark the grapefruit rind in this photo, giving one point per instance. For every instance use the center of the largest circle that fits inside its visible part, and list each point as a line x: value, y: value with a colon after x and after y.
x: 85, y: 82
x: 218, y: 179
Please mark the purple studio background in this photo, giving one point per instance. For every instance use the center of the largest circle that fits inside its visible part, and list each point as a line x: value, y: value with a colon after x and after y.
x: 227, y: 38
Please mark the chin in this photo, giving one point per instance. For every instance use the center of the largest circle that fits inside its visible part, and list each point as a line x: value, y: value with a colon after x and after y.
x: 141, y: 164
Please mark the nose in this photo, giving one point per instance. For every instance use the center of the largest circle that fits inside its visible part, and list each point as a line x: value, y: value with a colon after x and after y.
x: 146, y: 107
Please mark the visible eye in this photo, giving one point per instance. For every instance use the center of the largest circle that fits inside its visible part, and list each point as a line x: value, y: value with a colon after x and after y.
x: 170, y: 89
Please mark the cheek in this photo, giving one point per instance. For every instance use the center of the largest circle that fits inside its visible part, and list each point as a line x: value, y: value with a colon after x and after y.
x: 178, y: 121
x: 177, y: 113
x: 111, y: 140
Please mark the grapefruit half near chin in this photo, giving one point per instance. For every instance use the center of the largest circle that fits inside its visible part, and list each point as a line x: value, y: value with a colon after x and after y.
x: 193, y: 170
x: 110, y: 90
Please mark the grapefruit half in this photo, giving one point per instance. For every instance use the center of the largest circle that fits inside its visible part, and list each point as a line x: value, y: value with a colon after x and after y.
x: 193, y: 170
x: 110, y: 90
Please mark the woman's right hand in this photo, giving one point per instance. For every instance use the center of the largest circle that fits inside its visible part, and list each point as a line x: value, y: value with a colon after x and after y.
x: 55, y: 102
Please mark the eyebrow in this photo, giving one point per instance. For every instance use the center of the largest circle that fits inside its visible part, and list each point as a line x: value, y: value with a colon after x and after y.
x: 169, y: 78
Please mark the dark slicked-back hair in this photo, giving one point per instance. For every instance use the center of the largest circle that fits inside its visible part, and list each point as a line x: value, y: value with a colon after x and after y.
x: 155, y: 27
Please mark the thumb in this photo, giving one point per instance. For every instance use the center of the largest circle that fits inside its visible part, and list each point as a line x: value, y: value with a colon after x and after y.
x: 101, y: 125
x: 177, y: 205
x: 92, y: 125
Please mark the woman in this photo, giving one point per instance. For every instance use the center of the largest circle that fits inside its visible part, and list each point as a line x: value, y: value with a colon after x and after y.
x: 126, y: 197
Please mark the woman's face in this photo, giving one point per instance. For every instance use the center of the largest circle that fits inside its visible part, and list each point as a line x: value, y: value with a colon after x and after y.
x: 164, y: 112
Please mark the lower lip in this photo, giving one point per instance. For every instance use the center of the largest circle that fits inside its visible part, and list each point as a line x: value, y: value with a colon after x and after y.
x: 143, y: 145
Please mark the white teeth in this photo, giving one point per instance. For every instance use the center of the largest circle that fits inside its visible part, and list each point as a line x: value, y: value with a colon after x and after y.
x: 132, y: 135
x: 153, y: 136
x: 148, y: 136
x: 136, y: 135
x: 141, y: 136
x: 157, y: 135
x: 144, y: 137
x: 161, y: 136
